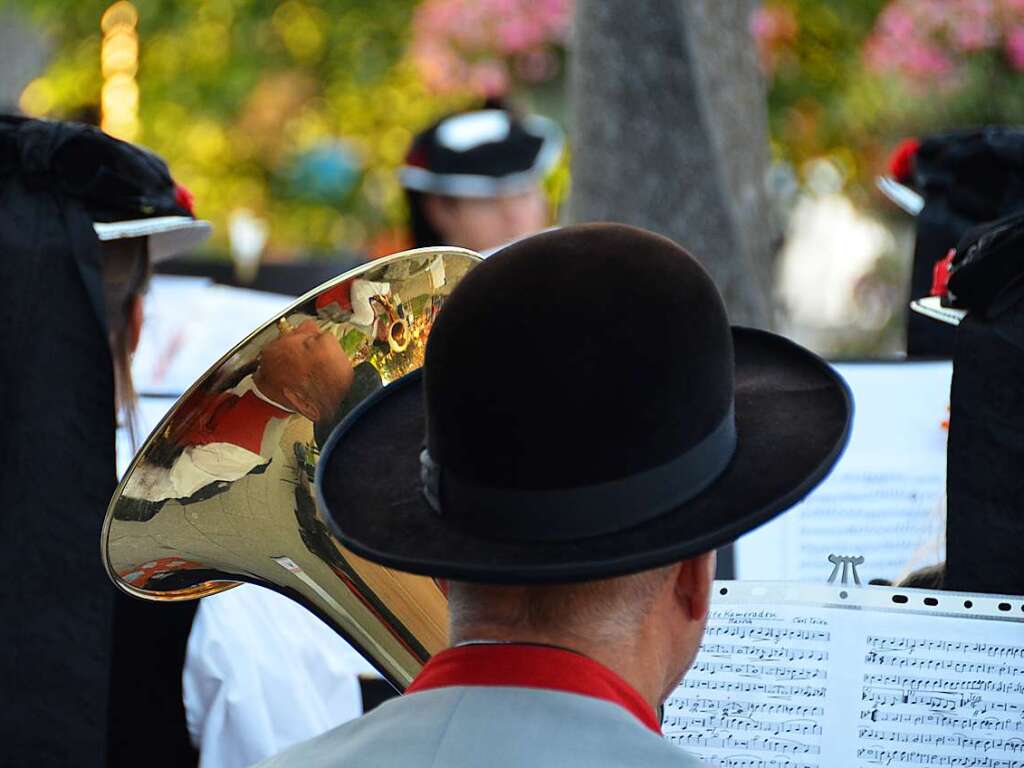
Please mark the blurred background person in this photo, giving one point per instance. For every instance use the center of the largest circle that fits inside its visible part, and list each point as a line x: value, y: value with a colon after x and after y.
x: 85, y: 218
x: 964, y: 178
x: 82, y: 219
x: 473, y: 179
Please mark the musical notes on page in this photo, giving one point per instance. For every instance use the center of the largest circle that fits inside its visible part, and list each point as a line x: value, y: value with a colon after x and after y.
x: 853, y: 681
x: 894, y: 517
x: 764, y: 674
x: 925, y: 701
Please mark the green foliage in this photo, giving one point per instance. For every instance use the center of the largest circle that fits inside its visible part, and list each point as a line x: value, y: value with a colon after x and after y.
x: 825, y: 99
x: 817, y: 100
x: 232, y: 91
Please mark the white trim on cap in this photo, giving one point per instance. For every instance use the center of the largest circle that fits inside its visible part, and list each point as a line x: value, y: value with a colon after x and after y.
x: 467, y: 185
x: 116, y: 230
x: 931, y: 306
x: 168, y: 235
x: 470, y: 130
x: 480, y: 186
x: 900, y: 194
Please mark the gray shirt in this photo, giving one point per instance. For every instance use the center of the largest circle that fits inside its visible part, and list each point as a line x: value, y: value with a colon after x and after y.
x: 496, y: 727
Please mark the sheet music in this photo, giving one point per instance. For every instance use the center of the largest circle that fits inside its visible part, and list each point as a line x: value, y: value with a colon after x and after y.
x: 190, y: 323
x: 885, y: 498
x: 149, y: 411
x: 800, y: 677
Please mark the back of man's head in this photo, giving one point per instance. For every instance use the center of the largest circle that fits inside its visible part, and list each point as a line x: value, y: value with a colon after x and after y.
x: 605, y: 610
x: 646, y: 626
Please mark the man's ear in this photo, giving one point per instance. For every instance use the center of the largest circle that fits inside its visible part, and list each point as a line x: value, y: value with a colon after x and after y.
x: 301, y: 403
x: 134, y: 323
x: 693, y: 584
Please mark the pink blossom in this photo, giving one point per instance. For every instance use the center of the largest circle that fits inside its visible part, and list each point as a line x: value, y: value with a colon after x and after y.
x: 516, y: 35
x: 926, y: 60
x: 895, y: 22
x: 482, y: 33
x: 1015, y: 48
x: 489, y: 78
x: 772, y: 27
x: 536, y: 66
x: 929, y: 40
x: 973, y: 35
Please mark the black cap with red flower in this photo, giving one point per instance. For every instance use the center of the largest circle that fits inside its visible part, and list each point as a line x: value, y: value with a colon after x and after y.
x: 901, y: 160
x: 951, y: 182
x: 126, y: 190
x: 987, y: 261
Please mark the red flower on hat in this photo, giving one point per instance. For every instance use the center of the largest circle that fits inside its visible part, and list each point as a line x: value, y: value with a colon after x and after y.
x: 902, y: 158
x: 417, y: 157
x: 940, y: 274
x: 184, y: 198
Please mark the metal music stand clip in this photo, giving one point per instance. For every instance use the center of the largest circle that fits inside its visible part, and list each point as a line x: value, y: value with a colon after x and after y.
x: 849, y: 564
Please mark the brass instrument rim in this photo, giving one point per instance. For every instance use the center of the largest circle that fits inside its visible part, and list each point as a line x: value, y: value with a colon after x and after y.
x: 180, y: 595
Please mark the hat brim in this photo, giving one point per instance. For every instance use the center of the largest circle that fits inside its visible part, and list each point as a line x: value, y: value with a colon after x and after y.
x: 901, y: 195
x: 931, y: 306
x: 792, y: 420
x: 168, y: 235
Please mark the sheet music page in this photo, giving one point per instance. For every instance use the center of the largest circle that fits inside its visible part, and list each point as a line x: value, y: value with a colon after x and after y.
x: 885, y: 499
x: 190, y: 323
x: 148, y: 411
x: 790, y: 678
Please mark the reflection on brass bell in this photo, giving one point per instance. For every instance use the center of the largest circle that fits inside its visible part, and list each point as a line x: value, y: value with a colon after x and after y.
x: 172, y: 533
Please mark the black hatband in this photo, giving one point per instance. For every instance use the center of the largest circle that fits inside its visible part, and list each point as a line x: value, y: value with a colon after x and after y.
x: 589, y: 510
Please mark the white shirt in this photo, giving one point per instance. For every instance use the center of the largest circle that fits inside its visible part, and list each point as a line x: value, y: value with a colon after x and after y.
x: 263, y: 673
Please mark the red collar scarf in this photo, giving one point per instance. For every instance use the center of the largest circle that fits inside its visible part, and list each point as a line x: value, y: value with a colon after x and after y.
x: 522, y: 665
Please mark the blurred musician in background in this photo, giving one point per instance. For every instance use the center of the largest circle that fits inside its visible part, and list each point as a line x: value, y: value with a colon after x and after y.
x: 573, y: 515
x: 84, y: 218
x: 473, y: 179
x: 978, y: 293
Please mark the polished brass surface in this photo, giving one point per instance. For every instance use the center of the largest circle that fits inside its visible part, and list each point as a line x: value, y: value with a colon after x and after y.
x: 222, y: 491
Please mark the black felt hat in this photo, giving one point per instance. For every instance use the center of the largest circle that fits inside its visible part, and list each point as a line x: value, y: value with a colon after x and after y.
x: 585, y: 410
x: 483, y: 153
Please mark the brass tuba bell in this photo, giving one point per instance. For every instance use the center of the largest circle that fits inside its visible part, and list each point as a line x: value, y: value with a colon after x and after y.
x: 222, y: 491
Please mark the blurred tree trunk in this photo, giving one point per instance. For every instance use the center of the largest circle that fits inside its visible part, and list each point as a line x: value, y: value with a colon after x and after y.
x: 670, y: 133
